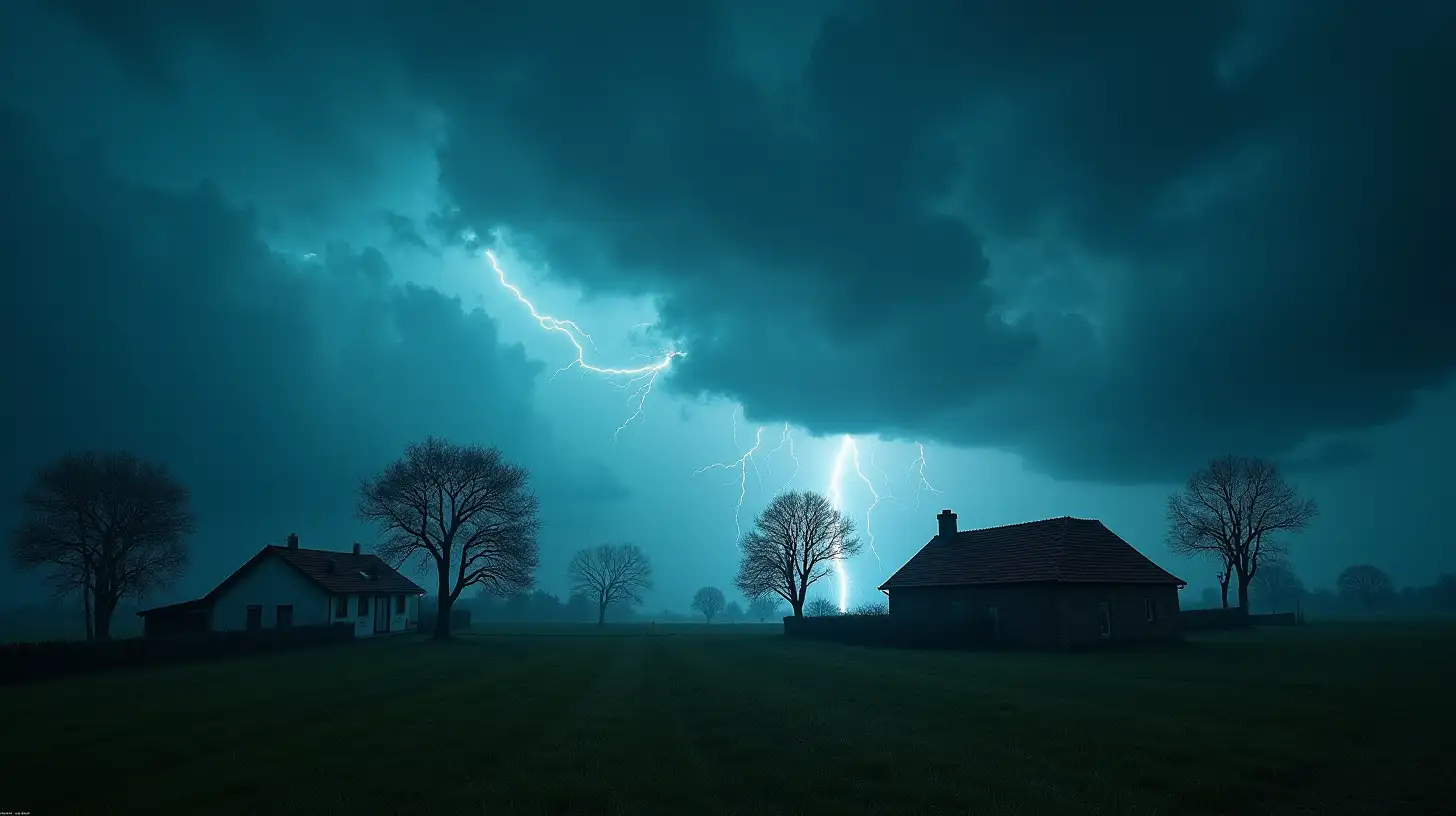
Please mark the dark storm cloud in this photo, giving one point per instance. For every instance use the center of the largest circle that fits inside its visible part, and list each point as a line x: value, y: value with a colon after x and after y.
x: 161, y: 322
x: 1234, y: 206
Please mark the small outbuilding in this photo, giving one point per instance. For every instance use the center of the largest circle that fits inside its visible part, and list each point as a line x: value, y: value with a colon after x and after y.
x: 1057, y: 582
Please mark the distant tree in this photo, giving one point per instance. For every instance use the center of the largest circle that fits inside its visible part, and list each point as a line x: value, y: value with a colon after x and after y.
x: 611, y: 575
x: 579, y: 608
x: 1277, y: 585
x: 1367, y: 585
x: 732, y: 613
x: 796, y: 541
x: 708, y: 602
x: 1223, y: 577
x: 1233, y: 509
x: 465, y: 509
x: 764, y: 607
x: 107, y: 525
x: 821, y: 608
x: 1444, y: 591
x: 872, y: 608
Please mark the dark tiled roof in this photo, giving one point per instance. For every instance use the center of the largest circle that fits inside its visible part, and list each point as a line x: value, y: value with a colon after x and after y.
x: 1064, y: 550
x: 335, y: 572
x: 177, y: 608
x: 340, y: 572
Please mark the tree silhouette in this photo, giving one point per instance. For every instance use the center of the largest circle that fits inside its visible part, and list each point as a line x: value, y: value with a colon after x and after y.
x: 821, y: 608
x: 1232, y: 510
x: 610, y: 574
x: 796, y: 541
x: 708, y: 602
x: 1366, y: 584
x: 465, y: 509
x: 1277, y: 585
x: 764, y: 607
x: 109, y: 525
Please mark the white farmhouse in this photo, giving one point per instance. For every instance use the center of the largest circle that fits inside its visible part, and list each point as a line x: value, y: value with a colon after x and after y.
x: 288, y: 586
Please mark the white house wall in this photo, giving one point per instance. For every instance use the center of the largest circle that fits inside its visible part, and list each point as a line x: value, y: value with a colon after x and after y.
x: 364, y: 624
x: 269, y: 584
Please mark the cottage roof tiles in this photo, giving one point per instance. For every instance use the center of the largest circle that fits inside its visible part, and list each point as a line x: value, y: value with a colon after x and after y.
x: 1059, y: 550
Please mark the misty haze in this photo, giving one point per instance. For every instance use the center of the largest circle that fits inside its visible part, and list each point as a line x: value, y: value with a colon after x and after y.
x: 724, y: 406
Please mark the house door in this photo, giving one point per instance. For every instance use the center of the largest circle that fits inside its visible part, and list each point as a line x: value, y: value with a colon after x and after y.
x: 381, y: 614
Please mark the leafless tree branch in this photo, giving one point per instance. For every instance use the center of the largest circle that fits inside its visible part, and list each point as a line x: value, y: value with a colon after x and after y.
x: 610, y: 574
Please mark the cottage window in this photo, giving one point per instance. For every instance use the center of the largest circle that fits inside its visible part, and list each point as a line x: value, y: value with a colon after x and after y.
x: 1150, y: 606
x: 993, y: 617
x: 399, y: 604
x: 1104, y: 618
x: 285, y: 616
x: 255, y: 618
x: 957, y: 611
x: 341, y: 607
x: 363, y: 605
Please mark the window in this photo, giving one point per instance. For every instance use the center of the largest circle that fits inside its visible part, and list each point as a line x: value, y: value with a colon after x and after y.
x: 1104, y: 618
x: 957, y: 611
x: 1150, y: 606
x: 993, y: 619
x: 363, y: 605
x: 399, y: 604
x: 285, y: 616
x: 255, y: 618
x: 341, y: 607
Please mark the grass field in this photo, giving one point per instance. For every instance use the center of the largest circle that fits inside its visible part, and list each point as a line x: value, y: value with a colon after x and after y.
x: 1319, y: 719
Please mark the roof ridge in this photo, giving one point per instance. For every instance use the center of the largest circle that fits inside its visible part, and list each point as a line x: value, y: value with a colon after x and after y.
x: 1022, y: 524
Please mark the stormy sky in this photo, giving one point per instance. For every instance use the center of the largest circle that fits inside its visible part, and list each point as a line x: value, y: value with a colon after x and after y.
x: 1073, y: 249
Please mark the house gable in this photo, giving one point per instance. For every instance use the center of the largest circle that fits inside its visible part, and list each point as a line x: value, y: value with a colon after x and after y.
x: 268, y: 583
x: 1062, y: 550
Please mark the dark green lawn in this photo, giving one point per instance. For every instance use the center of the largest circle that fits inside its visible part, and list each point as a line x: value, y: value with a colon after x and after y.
x: 1347, y: 719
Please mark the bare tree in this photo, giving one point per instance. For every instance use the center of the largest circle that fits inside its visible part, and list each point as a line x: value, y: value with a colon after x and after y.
x: 1367, y: 584
x: 1232, y: 510
x: 465, y: 510
x: 109, y: 525
x: 732, y: 613
x: 796, y: 542
x: 1277, y: 585
x: 1223, y: 577
x: 764, y: 607
x: 708, y: 602
x: 610, y: 574
x: 872, y: 608
x: 821, y: 608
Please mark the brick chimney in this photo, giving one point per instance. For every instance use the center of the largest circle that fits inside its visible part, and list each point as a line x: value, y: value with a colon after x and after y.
x: 356, y: 548
x: 293, y: 541
x: 947, y: 521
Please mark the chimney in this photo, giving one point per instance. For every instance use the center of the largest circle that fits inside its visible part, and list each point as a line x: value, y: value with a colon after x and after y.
x: 293, y: 541
x: 947, y: 521
x: 356, y: 548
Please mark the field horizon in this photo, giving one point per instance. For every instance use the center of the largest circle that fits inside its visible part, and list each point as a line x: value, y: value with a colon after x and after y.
x: 675, y: 718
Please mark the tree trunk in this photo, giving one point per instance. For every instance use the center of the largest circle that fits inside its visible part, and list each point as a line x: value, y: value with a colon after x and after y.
x: 443, y: 602
x: 1223, y: 593
x: 1243, y: 592
x: 798, y: 608
x: 86, y: 608
x: 601, y: 613
x: 104, y: 608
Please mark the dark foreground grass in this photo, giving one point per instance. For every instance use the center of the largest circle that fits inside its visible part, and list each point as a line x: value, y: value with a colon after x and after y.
x: 1312, y: 720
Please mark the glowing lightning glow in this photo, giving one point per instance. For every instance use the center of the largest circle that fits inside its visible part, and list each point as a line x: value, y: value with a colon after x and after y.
x: 644, y: 376
x: 836, y: 498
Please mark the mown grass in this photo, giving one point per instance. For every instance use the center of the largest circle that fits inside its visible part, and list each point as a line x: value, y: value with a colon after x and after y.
x: 673, y: 720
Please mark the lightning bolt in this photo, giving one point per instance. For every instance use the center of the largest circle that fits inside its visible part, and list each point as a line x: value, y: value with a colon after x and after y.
x: 643, y: 376
x: 847, y: 448
x: 923, y: 484
x: 741, y: 464
x: 786, y: 438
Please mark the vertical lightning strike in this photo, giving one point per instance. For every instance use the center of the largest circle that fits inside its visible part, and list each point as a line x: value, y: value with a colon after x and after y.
x: 870, y: 511
x: 741, y: 464
x: 923, y: 484
x: 787, y: 438
x: 836, y: 498
x: 644, y: 376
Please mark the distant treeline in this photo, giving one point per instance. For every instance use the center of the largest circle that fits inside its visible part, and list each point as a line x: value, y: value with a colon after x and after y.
x: 540, y: 606
x: 1364, y: 590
